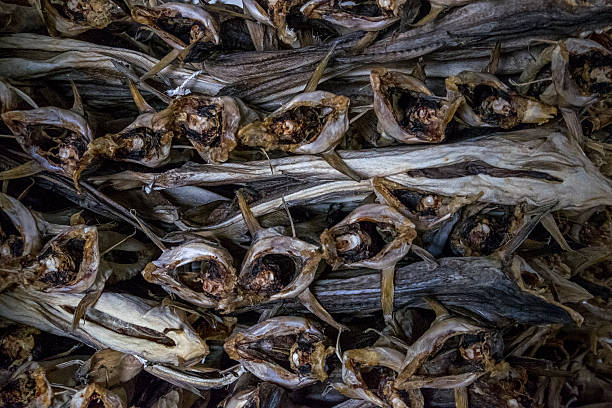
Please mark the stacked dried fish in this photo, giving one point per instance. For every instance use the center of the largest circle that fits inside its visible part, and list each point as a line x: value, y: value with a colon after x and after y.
x: 305, y: 204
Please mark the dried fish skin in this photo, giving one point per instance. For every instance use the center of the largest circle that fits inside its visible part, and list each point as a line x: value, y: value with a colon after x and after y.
x: 68, y: 263
x: 145, y: 141
x: 122, y: 322
x: 214, y: 285
x: 407, y: 111
x: 581, y: 73
x: 488, y: 102
x: 19, y: 235
x: 373, y: 236
x: 178, y: 24
x: 95, y: 395
x: 372, y: 17
x: 27, y: 387
x: 310, y: 123
x: 274, y: 14
x: 71, y: 18
x: 286, y: 350
x: 56, y: 138
x: 209, y: 123
x: 276, y: 267
x: 382, y: 363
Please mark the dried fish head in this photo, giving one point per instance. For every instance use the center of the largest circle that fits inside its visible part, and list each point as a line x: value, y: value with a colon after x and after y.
x: 211, y: 284
x: 274, y: 13
x: 74, y: 17
x: 146, y: 141
x: 425, y: 209
x: 312, y: 122
x: 441, y: 330
x: 56, y: 138
x: 209, y: 123
x: 96, y: 396
x: 67, y: 263
x: 483, y: 229
x: 16, y: 345
x: 19, y: 236
x: 27, y: 387
x: 277, y: 267
x: 285, y: 350
x: 369, y: 373
x: 581, y: 72
x: 362, y: 15
x: 264, y: 395
x: 407, y: 111
x: 488, y: 102
x: 179, y: 24
x: 373, y: 236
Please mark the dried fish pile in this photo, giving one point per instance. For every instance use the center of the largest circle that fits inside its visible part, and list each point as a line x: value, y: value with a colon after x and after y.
x: 293, y: 203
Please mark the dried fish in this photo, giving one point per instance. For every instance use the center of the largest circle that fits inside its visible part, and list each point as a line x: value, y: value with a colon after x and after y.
x: 56, y: 138
x: 122, y: 322
x: 355, y: 16
x: 71, y: 18
x: 288, y: 351
x: 489, y: 102
x: 27, y: 386
x: 535, y: 166
x: 407, y: 111
x: 178, y: 24
x: 213, y: 284
x: 580, y: 73
x: 310, y: 123
x: 95, y: 394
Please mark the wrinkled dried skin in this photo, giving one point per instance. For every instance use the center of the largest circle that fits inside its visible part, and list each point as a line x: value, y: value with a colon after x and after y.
x: 56, y: 138
x: 27, y: 387
x: 179, y: 24
x: 407, y: 111
x: 426, y: 210
x: 74, y: 17
x: 274, y: 13
x: 96, y: 396
x: 146, y: 141
x: 209, y: 123
x: 19, y: 236
x: 213, y: 284
x: 119, y: 321
x: 288, y: 351
x: 490, y: 103
x: 482, y: 230
x: 581, y: 72
x: 373, y: 236
x: 69, y: 262
x: 276, y: 267
x: 369, y: 374
x: 310, y: 123
x: 362, y: 15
